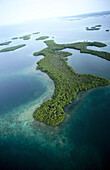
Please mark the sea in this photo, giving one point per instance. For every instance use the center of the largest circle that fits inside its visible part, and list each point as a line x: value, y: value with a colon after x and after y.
x: 82, y: 141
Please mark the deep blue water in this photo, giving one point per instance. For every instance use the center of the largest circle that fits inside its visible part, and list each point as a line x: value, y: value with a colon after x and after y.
x: 19, y: 89
x: 81, y: 142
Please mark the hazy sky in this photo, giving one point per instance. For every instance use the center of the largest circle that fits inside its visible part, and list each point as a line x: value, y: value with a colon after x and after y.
x: 13, y: 11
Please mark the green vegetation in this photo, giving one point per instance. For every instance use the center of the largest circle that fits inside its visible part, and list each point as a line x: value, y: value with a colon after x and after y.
x: 82, y: 46
x: 36, y: 33
x: 12, y: 48
x: 5, y: 43
x: 25, y: 37
x: 107, y: 30
x: 67, y: 82
x: 92, y: 28
x: 14, y: 38
x: 42, y: 38
x: 96, y: 27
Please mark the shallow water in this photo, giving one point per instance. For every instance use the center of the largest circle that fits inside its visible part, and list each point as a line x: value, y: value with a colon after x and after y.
x: 82, y: 141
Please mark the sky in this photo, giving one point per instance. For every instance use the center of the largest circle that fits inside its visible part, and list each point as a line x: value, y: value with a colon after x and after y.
x: 15, y: 11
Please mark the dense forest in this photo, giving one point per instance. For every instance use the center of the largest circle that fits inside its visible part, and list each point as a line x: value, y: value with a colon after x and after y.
x: 67, y: 82
x: 12, y: 48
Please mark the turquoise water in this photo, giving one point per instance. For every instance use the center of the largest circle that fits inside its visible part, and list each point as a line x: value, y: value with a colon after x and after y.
x: 81, y: 142
x: 21, y: 89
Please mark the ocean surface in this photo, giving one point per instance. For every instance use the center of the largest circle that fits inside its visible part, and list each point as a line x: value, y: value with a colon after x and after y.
x: 82, y: 141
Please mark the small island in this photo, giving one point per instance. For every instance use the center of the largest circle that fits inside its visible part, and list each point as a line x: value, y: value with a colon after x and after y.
x: 5, y: 43
x: 14, y: 38
x: 25, y: 37
x: 107, y: 30
x: 12, y: 48
x: 36, y: 33
x: 96, y: 27
x: 42, y: 38
x: 67, y: 82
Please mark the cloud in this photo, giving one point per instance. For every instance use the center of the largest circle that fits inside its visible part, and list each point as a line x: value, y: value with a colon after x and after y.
x: 12, y: 11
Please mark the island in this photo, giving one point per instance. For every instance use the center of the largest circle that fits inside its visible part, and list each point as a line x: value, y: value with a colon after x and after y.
x: 107, y: 30
x: 12, y: 48
x: 67, y: 82
x: 36, y: 33
x: 5, y: 43
x: 96, y: 27
x: 25, y: 37
x: 14, y: 38
x: 42, y: 38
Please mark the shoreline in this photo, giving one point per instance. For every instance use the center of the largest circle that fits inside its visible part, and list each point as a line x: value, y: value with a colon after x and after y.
x: 67, y: 82
x: 46, y: 96
x: 23, y: 115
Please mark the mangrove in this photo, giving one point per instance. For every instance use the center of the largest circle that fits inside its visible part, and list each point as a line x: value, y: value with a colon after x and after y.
x: 96, y: 27
x: 42, y: 38
x: 25, y: 37
x: 5, y: 43
x: 12, y: 48
x: 67, y: 82
x: 14, y: 38
x: 36, y: 33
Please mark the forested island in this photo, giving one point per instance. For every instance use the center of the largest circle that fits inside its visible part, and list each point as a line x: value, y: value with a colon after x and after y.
x: 42, y: 38
x: 12, y: 48
x: 5, y: 43
x: 14, y: 38
x: 36, y: 33
x: 25, y: 37
x: 67, y: 82
x: 96, y: 27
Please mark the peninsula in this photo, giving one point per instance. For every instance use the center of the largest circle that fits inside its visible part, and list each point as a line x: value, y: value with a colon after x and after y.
x: 67, y: 82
